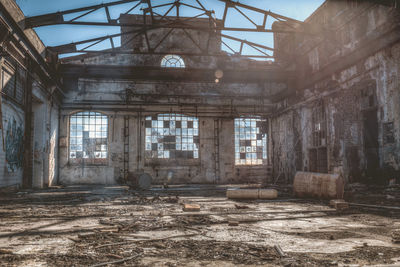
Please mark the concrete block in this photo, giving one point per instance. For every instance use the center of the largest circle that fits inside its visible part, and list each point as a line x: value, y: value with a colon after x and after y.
x: 333, y: 202
x: 191, y: 207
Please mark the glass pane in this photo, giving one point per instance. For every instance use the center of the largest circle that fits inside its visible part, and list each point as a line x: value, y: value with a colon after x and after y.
x: 87, y: 132
x: 250, y: 146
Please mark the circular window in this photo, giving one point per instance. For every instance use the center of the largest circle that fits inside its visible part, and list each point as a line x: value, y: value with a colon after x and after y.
x: 172, y: 61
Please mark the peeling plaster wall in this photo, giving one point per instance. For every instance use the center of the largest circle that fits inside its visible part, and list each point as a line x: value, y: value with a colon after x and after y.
x: 45, y: 139
x: 366, y: 58
x: 13, y: 123
x: 42, y: 161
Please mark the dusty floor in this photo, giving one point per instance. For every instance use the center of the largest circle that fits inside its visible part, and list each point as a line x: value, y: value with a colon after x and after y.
x: 90, y: 226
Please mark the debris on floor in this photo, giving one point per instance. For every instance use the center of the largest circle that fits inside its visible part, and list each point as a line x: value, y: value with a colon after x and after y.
x: 339, y: 204
x: 191, y: 207
x: 396, y: 236
x: 108, y: 226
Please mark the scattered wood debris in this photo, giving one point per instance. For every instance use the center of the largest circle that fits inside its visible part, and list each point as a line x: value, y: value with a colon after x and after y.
x: 5, y: 251
x: 396, y: 236
x: 115, y: 262
x: 241, y: 207
x: 233, y: 223
x: 279, y: 250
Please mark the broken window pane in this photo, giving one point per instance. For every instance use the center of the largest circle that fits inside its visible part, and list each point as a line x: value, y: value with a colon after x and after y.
x: 175, y: 133
x: 88, y: 135
x: 250, y: 141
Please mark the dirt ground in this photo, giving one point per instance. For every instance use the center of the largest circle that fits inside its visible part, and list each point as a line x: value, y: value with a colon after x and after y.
x: 107, y: 226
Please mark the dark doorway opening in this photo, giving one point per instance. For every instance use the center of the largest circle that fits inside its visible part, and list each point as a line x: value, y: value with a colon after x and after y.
x: 371, y: 144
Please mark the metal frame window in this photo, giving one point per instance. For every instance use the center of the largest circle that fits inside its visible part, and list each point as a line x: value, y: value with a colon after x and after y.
x: 172, y: 136
x: 12, y: 81
x: 318, y: 157
x: 250, y: 141
x: 319, y: 126
x: 88, y: 135
x: 172, y: 61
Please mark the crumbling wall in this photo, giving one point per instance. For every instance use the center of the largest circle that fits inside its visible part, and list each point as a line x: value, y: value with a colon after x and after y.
x: 45, y: 146
x: 11, y: 159
x: 18, y: 81
x: 356, y: 77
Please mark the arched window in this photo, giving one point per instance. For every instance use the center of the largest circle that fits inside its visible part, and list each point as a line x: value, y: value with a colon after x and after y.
x: 88, y: 135
x: 250, y: 141
x: 172, y: 136
x: 172, y: 61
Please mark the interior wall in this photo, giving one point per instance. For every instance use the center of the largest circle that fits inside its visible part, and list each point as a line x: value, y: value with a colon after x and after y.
x: 202, y: 170
x: 44, y: 136
x: 357, y: 80
x: 12, y: 134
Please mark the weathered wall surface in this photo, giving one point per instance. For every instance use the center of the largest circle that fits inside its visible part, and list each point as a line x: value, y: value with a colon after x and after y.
x: 354, y: 73
x: 11, y: 153
x: 201, y: 170
x: 21, y: 85
x: 214, y: 106
x: 45, y: 139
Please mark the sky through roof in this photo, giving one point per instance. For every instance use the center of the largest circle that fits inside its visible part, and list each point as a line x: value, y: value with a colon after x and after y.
x: 64, y: 34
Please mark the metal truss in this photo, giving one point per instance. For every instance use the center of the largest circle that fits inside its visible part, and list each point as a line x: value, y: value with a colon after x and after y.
x: 214, y: 28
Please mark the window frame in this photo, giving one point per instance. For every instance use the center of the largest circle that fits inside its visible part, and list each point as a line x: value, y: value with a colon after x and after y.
x: 89, y: 161
x: 318, y: 148
x: 149, y: 154
x: 164, y: 61
x: 264, y: 143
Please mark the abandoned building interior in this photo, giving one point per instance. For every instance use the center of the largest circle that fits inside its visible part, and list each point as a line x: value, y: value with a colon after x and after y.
x: 181, y: 141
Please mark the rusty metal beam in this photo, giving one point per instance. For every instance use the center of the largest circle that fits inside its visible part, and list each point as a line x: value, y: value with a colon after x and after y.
x: 221, y: 28
x: 159, y: 21
x: 190, y: 27
x: 258, y: 10
x: 58, y: 17
x: 72, y: 48
x: 152, y: 52
x: 173, y: 74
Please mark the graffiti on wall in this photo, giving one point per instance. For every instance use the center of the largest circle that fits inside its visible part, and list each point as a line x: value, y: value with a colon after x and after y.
x: 14, y: 145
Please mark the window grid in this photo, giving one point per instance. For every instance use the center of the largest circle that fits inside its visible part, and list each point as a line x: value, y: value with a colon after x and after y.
x: 172, y: 136
x: 172, y: 61
x: 88, y: 135
x: 250, y: 141
x: 319, y: 122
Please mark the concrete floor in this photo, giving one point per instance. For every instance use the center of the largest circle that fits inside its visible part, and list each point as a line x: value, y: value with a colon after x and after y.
x: 85, y: 226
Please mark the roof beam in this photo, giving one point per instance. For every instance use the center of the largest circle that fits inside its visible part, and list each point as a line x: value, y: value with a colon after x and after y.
x: 58, y: 17
x: 230, y: 3
x: 72, y: 48
x: 174, y: 74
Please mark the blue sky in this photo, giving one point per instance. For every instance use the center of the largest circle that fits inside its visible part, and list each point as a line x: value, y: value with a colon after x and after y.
x: 63, y: 34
